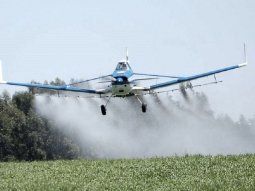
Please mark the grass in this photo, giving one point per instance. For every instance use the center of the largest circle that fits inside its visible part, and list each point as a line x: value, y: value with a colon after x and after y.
x: 173, y: 173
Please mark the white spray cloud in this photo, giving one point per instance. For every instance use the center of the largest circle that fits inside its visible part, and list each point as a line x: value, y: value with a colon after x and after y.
x: 168, y: 128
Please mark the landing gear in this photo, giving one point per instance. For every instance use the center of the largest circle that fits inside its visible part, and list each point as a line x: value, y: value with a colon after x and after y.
x: 144, y: 106
x: 103, y: 107
x: 103, y: 110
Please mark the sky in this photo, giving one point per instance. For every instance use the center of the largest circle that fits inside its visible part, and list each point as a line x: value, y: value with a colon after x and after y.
x: 44, y: 39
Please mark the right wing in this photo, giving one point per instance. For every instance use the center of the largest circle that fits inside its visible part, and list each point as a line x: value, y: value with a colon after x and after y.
x: 58, y: 88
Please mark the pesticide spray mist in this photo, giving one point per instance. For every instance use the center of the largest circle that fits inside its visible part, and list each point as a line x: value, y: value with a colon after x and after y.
x: 168, y: 128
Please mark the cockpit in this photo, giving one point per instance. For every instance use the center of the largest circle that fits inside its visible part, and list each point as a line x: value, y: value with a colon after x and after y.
x: 122, y: 66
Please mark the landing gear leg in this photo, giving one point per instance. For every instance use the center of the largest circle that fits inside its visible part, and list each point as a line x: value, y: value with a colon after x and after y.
x: 144, y: 106
x: 103, y: 107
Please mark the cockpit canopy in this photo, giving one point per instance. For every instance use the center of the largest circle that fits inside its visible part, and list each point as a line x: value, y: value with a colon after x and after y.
x: 123, y: 70
x: 122, y: 65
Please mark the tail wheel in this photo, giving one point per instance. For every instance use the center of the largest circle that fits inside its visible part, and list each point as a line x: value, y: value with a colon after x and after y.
x: 144, y: 108
x: 103, y: 110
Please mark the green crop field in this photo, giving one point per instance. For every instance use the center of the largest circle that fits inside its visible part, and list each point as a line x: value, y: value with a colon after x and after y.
x: 173, y: 173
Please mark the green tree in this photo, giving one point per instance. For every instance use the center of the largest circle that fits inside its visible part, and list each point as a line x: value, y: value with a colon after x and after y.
x: 23, y: 101
x: 25, y: 135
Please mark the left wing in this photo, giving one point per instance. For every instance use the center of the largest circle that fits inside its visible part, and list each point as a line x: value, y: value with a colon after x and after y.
x: 185, y: 79
x: 51, y: 87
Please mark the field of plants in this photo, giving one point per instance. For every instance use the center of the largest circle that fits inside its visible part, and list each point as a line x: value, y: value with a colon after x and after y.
x: 173, y: 173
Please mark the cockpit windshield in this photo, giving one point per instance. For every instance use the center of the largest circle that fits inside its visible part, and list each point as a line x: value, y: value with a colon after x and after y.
x: 121, y: 66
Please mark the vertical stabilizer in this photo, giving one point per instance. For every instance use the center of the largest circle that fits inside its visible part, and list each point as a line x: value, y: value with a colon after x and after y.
x: 127, y: 61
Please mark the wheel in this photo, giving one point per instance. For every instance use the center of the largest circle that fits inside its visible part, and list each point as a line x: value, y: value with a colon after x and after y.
x: 144, y: 108
x: 103, y: 110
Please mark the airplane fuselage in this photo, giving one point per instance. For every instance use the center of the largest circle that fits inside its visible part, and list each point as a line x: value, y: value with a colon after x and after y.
x: 121, y: 86
x: 121, y: 90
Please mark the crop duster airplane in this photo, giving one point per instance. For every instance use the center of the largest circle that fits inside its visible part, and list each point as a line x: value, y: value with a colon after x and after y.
x: 121, y: 85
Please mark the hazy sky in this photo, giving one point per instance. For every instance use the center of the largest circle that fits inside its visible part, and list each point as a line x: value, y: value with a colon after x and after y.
x: 44, y: 39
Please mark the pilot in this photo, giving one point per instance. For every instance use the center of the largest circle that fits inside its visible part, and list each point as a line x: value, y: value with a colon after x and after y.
x: 122, y: 66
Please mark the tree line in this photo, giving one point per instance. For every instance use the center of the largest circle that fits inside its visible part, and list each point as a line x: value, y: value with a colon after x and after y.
x: 25, y: 135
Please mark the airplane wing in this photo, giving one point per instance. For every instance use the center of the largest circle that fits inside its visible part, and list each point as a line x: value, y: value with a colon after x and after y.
x: 51, y: 87
x: 194, y: 77
x: 57, y: 88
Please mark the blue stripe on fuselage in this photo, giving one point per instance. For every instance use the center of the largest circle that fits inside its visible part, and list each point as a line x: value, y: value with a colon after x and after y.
x: 122, y: 73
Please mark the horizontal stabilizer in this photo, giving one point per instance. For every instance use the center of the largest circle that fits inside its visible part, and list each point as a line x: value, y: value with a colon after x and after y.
x: 156, y: 75
x: 106, y: 81
x: 143, y: 79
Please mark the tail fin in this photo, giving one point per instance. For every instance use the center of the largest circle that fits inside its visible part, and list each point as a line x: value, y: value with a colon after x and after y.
x: 127, y: 61
x: 1, y: 74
